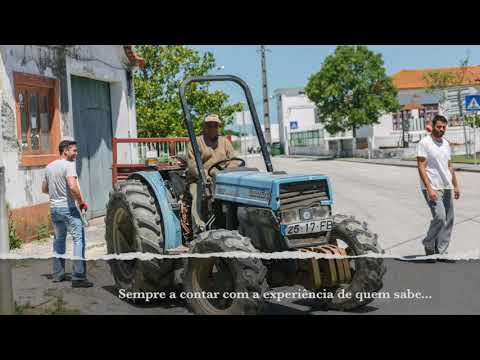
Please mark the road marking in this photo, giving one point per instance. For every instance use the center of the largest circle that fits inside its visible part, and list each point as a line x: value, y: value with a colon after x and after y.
x: 420, y: 236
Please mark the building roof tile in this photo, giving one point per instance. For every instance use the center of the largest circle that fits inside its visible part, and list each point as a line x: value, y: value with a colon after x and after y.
x: 414, y: 79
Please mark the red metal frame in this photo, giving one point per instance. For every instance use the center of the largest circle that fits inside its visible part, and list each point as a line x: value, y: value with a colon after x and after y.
x: 122, y: 171
x: 126, y: 169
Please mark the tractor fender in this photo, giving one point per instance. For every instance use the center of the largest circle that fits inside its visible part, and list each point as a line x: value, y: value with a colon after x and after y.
x: 171, y: 223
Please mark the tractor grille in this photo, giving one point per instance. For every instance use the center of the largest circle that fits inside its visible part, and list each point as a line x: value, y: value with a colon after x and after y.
x: 302, y: 194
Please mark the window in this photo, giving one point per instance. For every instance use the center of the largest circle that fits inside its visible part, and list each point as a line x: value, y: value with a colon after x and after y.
x: 305, y: 138
x: 430, y: 111
x: 455, y: 120
x: 38, y: 123
x: 396, y: 121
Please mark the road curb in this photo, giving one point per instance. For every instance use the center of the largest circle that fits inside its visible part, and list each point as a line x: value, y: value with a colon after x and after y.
x: 457, y: 168
x: 318, y: 157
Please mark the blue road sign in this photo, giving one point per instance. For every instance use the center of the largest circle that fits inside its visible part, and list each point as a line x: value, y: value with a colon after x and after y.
x: 293, y: 125
x: 472, y: 103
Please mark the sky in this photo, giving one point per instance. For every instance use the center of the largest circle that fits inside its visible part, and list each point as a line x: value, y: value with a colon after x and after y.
x: 292, y: 65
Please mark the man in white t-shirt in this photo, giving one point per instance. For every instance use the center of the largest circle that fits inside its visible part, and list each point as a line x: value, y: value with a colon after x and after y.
x: 439, y: 185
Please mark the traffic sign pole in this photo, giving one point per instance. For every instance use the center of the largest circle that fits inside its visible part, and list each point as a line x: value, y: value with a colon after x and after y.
x: 472, y: 104
x: 475, y: 141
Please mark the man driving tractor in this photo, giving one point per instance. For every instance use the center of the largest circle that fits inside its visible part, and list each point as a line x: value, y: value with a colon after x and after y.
x: 213, y: 149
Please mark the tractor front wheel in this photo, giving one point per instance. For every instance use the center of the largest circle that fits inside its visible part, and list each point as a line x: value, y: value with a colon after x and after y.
x: 221, y: 285
x: 367, y: 272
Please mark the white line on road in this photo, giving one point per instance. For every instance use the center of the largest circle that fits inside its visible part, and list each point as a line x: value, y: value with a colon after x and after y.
x: 421, y: 236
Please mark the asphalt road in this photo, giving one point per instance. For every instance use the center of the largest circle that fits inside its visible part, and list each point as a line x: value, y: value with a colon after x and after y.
x: 388, y: 198
x: 438, y: 288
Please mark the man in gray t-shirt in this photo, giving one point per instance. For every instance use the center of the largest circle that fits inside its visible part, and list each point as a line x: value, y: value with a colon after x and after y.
x: 61, y: 184
x: 56, y: 176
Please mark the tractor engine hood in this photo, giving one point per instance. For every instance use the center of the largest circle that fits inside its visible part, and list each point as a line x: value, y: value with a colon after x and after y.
x: 260, y: 189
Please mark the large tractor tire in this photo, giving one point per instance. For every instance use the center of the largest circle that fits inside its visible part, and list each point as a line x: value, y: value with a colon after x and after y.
x: 367, y: 272
x: 134, y: 225
x: 245, y: 278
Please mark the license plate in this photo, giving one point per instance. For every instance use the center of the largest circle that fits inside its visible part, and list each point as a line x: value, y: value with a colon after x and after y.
x: 309, y: 227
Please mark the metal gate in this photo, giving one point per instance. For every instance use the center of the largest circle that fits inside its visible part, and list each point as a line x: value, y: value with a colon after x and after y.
x: 92, y: 122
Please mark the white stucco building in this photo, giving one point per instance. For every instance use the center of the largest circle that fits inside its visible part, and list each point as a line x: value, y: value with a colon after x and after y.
x: 299, y: 123
x: 52, y: 92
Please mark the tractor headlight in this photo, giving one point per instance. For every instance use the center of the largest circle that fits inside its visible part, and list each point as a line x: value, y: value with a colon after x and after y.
x: 290, y: 216
x: 320, y: 212
x: 306, y: 214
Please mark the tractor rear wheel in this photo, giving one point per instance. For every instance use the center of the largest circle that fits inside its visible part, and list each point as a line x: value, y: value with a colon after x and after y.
x: 367, y: 272
x: 220, y: 285
x: 134, y: 225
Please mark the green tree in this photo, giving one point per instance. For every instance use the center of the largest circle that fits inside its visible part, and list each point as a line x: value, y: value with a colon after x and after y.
x: 159, y: 113
x: 454, y: 79
x: 352, y: 89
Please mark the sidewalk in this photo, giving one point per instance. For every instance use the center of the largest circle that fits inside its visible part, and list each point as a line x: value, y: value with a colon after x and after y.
x: 95, y: 243
x: 409, y: 163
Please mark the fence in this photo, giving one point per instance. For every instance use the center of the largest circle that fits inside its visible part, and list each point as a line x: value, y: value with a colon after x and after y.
x: 127, y: 161
x: 164, y: 149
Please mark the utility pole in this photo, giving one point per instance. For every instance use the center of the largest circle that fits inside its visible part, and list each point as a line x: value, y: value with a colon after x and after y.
x: 6, y: 291
x: 266, y: 111
x: 243, y: 132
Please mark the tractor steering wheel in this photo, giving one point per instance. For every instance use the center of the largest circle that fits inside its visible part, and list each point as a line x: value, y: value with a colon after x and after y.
x: 222, y: 164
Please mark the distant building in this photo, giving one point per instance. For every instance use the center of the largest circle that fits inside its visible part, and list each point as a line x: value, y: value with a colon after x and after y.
x: 295, y: 112
x: 420, y: 105
x: 301, y: 130
x: 300, y: 125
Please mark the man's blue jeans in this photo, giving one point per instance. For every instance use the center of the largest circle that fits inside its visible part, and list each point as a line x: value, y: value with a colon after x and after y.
x: 64, y: 219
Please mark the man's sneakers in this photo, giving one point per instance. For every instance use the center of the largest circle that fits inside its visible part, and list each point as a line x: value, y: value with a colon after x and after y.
x: 63, y: 278
x: 433, y: 252
x: 429, y: 252
x: 81, y: 284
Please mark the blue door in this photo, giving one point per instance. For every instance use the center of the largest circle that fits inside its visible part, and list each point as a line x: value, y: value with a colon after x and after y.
x: 92, y: 122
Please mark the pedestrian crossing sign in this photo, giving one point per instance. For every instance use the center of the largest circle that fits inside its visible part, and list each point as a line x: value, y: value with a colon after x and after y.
x: 472, y: 103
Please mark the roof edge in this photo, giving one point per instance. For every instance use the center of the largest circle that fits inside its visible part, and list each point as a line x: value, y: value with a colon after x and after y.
x: 133, y: 56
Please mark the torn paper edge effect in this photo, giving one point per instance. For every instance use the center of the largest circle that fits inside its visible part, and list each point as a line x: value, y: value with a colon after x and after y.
x: 240, y: 254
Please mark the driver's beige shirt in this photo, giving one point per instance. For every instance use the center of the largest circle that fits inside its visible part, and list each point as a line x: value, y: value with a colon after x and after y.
x: 211, y: 152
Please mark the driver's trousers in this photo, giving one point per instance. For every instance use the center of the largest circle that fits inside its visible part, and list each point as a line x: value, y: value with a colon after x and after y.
x: 196, y: 205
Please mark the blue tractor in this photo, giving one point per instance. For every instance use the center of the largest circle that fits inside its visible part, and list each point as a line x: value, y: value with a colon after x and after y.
x: 244, y: 210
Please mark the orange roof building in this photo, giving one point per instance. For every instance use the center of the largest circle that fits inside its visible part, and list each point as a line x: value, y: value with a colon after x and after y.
x: 414, y: 79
